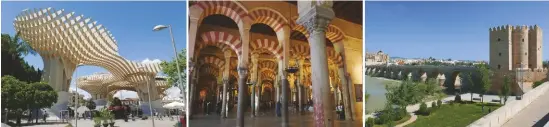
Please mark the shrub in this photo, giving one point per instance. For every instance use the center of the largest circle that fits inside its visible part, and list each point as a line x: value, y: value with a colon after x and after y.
x: 434, y: 104
x: 399, y: 114
x: 422, y: 108
x: 457, y: 99
x: 536, y: 84
x: 439, y: 103
x: 370, y: 122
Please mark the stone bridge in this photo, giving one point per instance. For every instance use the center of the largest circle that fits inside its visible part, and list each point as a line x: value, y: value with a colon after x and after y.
x: 448, y: 76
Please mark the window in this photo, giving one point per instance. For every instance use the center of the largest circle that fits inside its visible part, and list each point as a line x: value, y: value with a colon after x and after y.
x: 499, y: 39
x: 526, y: 53
x: 523, y: 40
x: 500, y: 54
x: 499, y: 66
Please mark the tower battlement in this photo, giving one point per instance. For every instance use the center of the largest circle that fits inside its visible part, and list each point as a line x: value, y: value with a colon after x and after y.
x: 520, y: 28
x: 501, y: 28
x: 534, y: 28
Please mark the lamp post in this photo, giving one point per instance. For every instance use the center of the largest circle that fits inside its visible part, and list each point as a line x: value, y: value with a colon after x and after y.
x: 149, y: 95
x: 285, y: 120
x: 160, y: 27
x: 76, y: 97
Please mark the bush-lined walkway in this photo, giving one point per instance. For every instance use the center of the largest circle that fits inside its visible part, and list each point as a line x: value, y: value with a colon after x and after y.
x: 456, y: 115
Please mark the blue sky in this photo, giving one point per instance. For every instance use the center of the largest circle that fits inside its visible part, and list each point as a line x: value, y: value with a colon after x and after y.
x: 130, y: 23
x: 457, y: 30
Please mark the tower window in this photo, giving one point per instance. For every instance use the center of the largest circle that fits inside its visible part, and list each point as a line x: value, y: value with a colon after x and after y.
x: 526, y: 53
x: 500, y: 54
x: 499, y: 39
x: 499, y: 66
x: 523, y: 40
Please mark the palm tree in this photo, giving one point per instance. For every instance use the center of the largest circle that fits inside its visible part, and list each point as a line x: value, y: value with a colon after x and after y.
x: 16, y: 46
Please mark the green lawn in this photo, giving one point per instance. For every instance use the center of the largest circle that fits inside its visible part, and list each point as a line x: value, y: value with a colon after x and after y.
x: 404, y: 119
x: 457, y: 115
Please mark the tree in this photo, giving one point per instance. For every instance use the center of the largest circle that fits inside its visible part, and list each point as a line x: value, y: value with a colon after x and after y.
x: 505, y: 89
x: 43, y: 96
x: 469, y: 79
x: 405, y: 94
x: 170, y: 68
x: 13, y: 51
x: 90, y: 104
x: 485, y: 81
x: 19, y: 96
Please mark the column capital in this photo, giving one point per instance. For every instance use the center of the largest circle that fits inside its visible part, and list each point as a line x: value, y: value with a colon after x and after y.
x: 242, y: 71
x: 316, y: 19
x: 255, y: 58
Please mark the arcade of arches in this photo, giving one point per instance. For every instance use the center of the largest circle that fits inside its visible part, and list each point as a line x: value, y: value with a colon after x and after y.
x: 252, y: 55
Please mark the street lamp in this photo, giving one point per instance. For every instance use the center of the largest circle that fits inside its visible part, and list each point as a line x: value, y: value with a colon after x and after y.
x: 161, y: 27
x: 149, y: 95
x: 76, y: 97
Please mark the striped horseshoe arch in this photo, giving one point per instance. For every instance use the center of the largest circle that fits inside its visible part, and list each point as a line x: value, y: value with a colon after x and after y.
x: 231, y: 9
x: 268, y: 17
x: 209, y: 70
x: 267, y: 44
x: 230, y: 40
x: 297, y: 27
x: 300, y: 51
x: 214, y: 61
x: 334, y: 34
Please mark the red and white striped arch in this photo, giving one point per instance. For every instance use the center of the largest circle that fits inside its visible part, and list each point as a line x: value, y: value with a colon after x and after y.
x: 231, y: 9
x: 209, y: 70
x: 268, y: 65
x: 230, y: 40
x: 221, y: 46
x: 334, y: 34
x: 270, y: 45
x: 212, y: 60
x: 268, y: 17
x: 334, y: 57
x: 297, y: 27
x: 268, y: 75
x: 300, y: 51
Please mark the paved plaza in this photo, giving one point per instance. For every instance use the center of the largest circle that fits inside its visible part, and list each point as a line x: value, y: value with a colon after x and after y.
x: 166, y: 122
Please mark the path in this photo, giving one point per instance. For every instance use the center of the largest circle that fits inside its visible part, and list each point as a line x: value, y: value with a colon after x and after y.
x: 531, y: 114
x: 464, y: 97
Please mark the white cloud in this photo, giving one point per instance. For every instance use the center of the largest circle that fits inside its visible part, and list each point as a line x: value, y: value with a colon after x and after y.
x: 122, y: 94
x: 149, y: 61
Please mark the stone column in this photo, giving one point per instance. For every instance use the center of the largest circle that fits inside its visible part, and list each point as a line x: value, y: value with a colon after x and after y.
x: 284, y: 88
x: 254, y: 83
x: 300, y: 85
x: 192, y: 91
x: 242, y: 91
x: 316, y: 17
x: 345, y: 89
x: 258, y: 94
x: 226, y: 74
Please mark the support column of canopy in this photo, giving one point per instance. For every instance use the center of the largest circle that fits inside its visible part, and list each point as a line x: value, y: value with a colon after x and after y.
x: 316, y: 17
x: 254, y: 83
x: 225, y: 83
x: 243, y: 72
x: 58, y: 75
x: 346, y: 89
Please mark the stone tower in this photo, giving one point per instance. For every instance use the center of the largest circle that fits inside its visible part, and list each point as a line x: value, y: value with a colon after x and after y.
x: 515, y: 47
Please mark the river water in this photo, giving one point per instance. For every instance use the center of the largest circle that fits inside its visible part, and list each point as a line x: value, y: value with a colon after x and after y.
x: 376, y: 88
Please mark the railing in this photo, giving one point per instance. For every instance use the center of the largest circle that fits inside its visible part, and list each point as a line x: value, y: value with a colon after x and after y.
x: 500, y: 116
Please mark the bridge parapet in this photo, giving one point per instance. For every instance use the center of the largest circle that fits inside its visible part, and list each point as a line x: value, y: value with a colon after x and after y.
x: 500, y: 116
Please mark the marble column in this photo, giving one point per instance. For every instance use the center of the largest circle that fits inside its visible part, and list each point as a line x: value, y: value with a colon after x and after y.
x: 345, y: 89
x: 258, y: 94
x: 192, y: 90
x: 226, y: 74
x: 300, y: 85
x: 254, y: 83
x: 242, y: 92
x: 316, y: 17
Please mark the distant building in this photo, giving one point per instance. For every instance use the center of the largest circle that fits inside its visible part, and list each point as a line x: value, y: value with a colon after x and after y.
x: 377, y: 58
